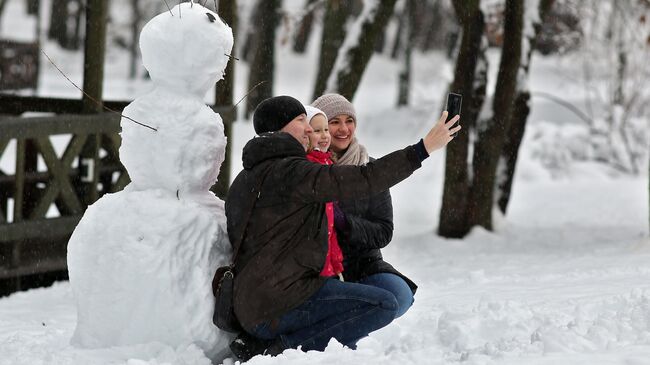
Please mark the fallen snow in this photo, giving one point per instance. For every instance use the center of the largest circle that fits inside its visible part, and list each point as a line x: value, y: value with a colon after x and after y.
x: 565, y: 279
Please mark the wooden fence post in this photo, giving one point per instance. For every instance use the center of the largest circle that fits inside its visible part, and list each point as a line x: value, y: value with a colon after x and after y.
x: 19, y: 198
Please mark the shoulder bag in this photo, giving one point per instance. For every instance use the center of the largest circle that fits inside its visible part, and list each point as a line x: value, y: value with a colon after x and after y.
x: 223, y: 281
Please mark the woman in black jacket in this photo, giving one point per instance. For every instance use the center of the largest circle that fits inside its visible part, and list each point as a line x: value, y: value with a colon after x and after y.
x: 364, y: 226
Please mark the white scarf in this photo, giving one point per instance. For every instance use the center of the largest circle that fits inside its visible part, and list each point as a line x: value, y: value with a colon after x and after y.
x: 356, y: 154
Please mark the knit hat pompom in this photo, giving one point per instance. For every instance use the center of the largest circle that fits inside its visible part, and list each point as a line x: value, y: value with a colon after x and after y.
x: 312, y: 112
x: 274, y: 113
x: 333, y: 105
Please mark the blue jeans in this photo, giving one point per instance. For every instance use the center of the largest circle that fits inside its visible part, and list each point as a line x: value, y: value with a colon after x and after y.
x: 340, y: 310
x: 394, y: 284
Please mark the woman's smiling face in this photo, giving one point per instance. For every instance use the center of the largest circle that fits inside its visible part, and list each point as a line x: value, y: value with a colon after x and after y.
x: 342, y: 129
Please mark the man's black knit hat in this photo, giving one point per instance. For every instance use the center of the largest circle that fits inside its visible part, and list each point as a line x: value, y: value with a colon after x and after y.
x: 274, y: 113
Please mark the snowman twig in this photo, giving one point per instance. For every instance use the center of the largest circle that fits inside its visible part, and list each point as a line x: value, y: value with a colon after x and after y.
x: 216, y: 7
x: 93, y: 99
x: 170, y: 9
x: 249, y: 92
x: 231, y: 57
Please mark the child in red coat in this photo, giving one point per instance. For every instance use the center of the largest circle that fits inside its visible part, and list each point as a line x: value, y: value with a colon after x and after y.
x: 319, y: 143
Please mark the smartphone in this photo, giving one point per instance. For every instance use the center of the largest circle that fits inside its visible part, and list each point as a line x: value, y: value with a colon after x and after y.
x: 454, y: 103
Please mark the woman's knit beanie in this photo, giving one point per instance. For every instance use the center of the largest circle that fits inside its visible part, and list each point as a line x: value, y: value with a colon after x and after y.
x: 274, y: 113
x: 333, y: 105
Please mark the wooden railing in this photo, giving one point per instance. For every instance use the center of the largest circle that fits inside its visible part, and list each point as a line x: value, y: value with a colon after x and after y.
x: 44, y: 198
x: 34, y: 235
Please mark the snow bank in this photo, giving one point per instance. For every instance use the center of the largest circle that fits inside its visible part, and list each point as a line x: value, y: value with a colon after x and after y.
x: 514, y: 328
x: 36, y: 326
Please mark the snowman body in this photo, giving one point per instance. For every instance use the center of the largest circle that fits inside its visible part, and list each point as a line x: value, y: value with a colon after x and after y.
x: 141, y: 260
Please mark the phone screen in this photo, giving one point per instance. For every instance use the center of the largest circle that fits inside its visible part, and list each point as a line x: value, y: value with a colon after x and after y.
x: 454, y: 103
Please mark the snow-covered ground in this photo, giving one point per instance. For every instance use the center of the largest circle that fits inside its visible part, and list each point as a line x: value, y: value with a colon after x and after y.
x: 565, y: 279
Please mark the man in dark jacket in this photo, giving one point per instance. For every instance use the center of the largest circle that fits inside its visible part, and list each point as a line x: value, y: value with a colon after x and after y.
x: 276, y: 214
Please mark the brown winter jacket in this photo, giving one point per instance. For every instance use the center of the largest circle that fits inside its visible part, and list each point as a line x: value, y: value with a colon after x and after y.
x: 285, y: 246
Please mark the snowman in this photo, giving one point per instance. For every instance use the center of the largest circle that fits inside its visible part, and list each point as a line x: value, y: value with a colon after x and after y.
x: 141, y: 260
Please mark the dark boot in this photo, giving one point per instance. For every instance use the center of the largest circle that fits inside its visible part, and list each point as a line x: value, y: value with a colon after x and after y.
x: 246, y: 346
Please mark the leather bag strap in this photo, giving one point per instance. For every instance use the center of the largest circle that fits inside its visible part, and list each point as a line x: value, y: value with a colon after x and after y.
x: 255, y: 196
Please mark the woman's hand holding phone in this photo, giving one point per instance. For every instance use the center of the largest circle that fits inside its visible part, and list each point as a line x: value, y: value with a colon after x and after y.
x: 441, y: 133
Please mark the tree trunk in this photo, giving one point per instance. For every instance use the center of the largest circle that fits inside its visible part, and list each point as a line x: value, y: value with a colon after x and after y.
x: 407, y: 34
x: 492, y: 135
x: 470, y: 80
x: 618, y: 25
x: 95, y: 46
x: 251, y: 36
x: 68, y: 38
x: 515, y: 134
x: 74, y: 39
x: 2, y: 9
x: 58, y: 21
x: 94, y: 52
x: 224, y: 98
x: 380, y: 42
x: 260, y: 78
x: 33, y: 7
x: 336, y: 15
x: 358, y: 47
x: 225, y: 87
x: 509, y: 153
x: 305, y: 26
x: 136, y: 18
x: 403, y: 24
x: 434, y: 25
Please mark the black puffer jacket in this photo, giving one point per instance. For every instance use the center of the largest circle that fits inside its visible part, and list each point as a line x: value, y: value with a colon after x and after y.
x: 285, y: 246
x: 369, y: 228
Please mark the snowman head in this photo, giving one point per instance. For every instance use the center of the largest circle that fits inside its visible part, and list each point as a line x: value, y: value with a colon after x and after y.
x: 186, y: 49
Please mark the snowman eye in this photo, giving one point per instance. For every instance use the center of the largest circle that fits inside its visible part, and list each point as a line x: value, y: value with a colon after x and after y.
x: 211, y: 17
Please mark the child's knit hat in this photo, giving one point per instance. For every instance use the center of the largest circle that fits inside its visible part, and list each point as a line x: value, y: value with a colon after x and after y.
x: 312, y: 112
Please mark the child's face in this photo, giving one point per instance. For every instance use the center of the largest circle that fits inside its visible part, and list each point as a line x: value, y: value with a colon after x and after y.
x: 320, y: 138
